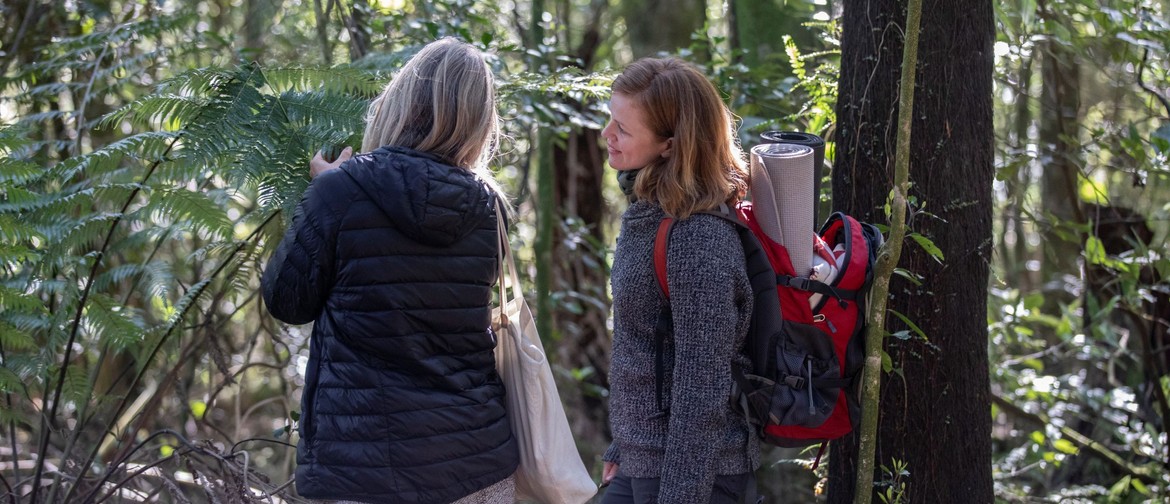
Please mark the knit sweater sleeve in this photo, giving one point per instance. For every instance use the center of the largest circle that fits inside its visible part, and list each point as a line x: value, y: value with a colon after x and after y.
x: 705, y: 275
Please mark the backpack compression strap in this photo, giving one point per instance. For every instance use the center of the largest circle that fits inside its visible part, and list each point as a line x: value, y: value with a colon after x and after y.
x: 665, y: 322
x: 660, y: 242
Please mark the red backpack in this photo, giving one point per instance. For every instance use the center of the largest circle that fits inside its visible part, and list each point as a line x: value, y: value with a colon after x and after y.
x: 806, y: 357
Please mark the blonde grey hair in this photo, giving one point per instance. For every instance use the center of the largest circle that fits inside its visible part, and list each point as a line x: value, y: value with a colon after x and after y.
x: 442, y: 102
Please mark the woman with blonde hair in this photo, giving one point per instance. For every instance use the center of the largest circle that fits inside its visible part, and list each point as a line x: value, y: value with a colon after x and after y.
x: 393, y: 254
x: 677, y: 436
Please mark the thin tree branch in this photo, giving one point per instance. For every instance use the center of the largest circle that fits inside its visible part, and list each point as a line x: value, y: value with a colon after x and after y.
x: 1098, y: 449
x: 887, y: 261
x: 154, y: 351
x: 1143, y: 85
x: 47, y: 420
x: 14, y: 47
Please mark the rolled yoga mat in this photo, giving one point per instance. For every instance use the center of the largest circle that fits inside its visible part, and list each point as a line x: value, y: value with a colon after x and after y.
x: 782, y: 191
x: 818, y: 146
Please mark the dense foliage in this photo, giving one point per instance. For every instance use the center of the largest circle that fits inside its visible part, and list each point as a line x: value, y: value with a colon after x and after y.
x: 151, y: 151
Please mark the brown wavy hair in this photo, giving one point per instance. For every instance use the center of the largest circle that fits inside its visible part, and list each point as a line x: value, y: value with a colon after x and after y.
x: 706, y: 165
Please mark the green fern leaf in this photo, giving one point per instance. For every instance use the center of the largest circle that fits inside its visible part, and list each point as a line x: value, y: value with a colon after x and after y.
x: 111, y: 323
x: 10, y: 383
x: 13, y: 339
x: 208, y: 219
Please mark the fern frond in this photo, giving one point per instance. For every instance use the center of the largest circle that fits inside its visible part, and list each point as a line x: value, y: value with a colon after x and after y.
x: 13, y: 339
x: 158, y: 110
x: 112, y: 323
x: 15, y: 171
x: 76, y: 388
x: 29, y: 323
x: 14, y: 300
x: 208, y: 220
x: 48, y: 115
x: 197, y: 294
x: 341, y: 79
x: 13, y: 229
x: 116, y: 276
x: 247, y: 273
x: 28, y: 367
x: 49, y: 90
x: 196, y: 81
x: 85, y: 233
x: 55, y: 206
x: 159, y: 280
x: 13, y: 255
x: 10, y: 383
x: 99, y: 162
x: 323, y: 111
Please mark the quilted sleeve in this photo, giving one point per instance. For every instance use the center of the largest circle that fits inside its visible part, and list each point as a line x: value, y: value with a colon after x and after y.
x: 299, y: 275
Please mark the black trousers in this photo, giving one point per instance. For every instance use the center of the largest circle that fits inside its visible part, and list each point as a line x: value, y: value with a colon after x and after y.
x: 626, y: 490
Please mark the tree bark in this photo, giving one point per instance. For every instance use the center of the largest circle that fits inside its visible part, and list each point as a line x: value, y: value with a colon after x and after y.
x: 579, y: 260
x: 761, y: 25
x: 1059, y: 113
x: 935, y: 413
x: 662, y: 25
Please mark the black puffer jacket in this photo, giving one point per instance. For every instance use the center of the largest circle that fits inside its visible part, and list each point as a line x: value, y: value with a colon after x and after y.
x: 394, y: 258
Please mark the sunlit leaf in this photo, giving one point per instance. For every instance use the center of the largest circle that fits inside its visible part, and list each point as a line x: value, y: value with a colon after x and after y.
x: 928, y: 245
x: 1065, y: 446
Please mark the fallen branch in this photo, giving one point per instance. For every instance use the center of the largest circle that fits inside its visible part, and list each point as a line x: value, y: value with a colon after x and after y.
x: 1082, y: 441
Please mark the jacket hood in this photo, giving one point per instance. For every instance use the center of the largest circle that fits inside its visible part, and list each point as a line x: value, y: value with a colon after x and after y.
x: 429, y: 200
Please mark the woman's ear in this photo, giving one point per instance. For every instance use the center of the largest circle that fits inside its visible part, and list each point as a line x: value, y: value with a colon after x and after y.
x: 669, y: 148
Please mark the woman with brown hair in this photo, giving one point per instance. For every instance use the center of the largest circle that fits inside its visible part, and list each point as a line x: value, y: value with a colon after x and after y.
x: 677, y: 437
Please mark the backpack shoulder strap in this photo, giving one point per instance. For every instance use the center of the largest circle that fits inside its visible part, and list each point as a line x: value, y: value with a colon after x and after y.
x: 661, y: 242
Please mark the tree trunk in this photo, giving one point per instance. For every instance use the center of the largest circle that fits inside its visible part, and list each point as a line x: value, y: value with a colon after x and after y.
x: 257, y: 24
x: 936, y: 410
x: 1059, y: 112
x: 761, y: 25
x: 581, y: 276
x: 663, y: 25
x: 579, y: 260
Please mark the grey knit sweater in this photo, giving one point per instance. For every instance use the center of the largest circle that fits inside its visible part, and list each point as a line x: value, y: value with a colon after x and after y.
x: 710, y: 297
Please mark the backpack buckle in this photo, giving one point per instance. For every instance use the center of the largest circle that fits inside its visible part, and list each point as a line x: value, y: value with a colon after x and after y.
x: 795, y: 381
x: 795, y: 282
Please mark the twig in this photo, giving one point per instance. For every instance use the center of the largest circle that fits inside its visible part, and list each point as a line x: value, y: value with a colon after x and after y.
x: 47, y: 420
x: 14, y: 47
x: 1143, y: 85
x: 11, y: 493
x: 11, y: 428
x: 121, y: 460
x: 135, y: 474
x: 81, y: 305
x: 887, y: 261
x: 79, y: 116
x: 266, y: 440
x: 1078, y: 439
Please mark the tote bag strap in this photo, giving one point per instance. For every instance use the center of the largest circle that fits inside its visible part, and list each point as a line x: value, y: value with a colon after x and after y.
x: 501, y: 255
x: 507, y: 264
x: 509, y: 258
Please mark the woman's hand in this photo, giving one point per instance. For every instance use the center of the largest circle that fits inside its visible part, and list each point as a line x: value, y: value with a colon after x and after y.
x: 608, y: 471
x: 319, y: 165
